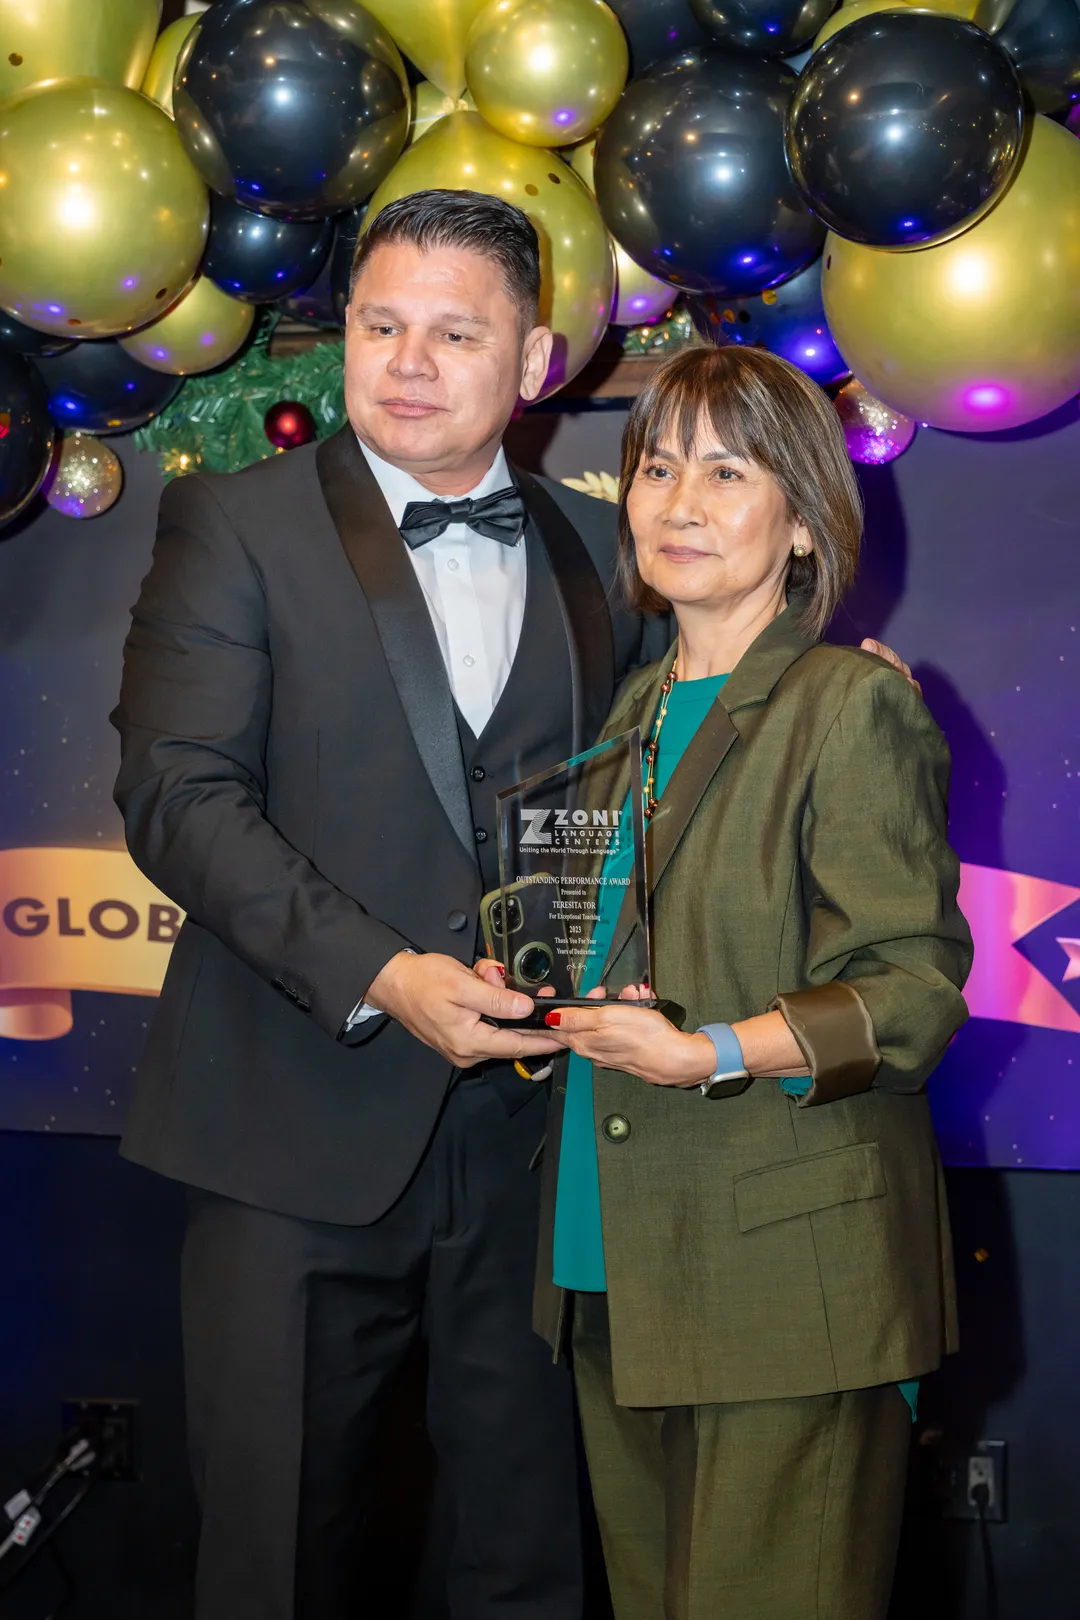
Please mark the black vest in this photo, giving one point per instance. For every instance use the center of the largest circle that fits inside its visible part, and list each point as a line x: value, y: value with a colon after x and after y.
x: 532, y: 723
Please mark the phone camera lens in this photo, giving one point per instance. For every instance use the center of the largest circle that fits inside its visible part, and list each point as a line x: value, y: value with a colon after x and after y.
x: 532, y: 964
x: 506, y: 917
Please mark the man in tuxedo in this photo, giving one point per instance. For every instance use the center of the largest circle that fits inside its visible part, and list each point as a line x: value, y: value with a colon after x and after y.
x: 338, y: 658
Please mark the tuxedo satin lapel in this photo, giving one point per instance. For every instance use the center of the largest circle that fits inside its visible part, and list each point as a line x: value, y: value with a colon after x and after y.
x: 584, y: 610
x: 384, y: 573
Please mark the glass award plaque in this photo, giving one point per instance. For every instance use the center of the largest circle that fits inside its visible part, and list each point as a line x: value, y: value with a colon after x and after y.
x: 572, y: 876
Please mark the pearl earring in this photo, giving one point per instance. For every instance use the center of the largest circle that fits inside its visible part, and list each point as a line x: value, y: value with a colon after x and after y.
x: 800, y: 551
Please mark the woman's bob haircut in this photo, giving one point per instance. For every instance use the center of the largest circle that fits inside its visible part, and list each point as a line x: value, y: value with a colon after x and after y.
x: 764, y: 410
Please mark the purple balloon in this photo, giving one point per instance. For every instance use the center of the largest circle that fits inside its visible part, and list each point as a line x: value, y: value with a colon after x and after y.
x: 875, y: 433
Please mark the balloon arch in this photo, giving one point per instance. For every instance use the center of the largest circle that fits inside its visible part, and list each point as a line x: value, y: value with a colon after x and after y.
x: 887, y: 195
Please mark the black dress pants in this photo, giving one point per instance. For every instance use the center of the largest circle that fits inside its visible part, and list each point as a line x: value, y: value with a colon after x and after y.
x: 292, y: 1329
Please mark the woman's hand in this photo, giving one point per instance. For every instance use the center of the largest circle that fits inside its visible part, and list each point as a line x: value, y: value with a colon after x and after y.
x: 491, y: 971
x: 637, y: 1040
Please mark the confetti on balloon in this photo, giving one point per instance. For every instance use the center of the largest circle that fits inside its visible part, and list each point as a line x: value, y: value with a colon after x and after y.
x: 875, y: 433
x: 86, y: 478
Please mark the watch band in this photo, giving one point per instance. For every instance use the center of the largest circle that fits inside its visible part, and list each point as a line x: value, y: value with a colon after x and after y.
x: 730, y: 1077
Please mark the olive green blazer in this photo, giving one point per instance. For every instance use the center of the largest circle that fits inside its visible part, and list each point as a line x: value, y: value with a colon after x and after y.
x: 758, y: 1247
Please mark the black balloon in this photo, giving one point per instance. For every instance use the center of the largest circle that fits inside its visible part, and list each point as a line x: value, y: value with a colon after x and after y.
x: 1043, y: 39
x: 294, y: 109
x: 98, y: 387
x: 259, y: 259
x: 656, y: 29
x: 26, y: 433
x: 905, y: 127
x: 313, y: 305
x: 323, y: 302
x: 341, y: 258
x: 25, y: 340
x: 766, y: 27
x: 691, y: 177
x: 788, y: 320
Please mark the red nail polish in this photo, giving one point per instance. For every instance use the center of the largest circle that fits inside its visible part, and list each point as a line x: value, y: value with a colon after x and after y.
x: 554, y: 1019
x: 499, y: 968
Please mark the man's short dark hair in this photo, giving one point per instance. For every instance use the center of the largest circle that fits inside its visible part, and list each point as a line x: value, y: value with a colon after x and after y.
x: 463, y: 219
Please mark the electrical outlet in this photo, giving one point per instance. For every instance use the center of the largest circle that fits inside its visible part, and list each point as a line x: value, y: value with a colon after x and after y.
x: 958, y: 1474
x: 110, y: 1427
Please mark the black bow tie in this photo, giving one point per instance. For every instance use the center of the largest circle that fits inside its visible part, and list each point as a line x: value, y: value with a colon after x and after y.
x: 500, y: 516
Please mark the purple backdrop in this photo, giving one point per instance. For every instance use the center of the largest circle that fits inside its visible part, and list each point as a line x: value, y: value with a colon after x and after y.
x: 970, y: 571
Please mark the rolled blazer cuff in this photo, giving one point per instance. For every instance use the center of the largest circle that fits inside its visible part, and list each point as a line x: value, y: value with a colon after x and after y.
x: 836, y: 1037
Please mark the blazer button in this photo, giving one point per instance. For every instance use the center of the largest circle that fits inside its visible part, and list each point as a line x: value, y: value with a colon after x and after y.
x: 478, y: 773
x: 456, y: 920
x: 616, y: 1128
x: 480, y: 835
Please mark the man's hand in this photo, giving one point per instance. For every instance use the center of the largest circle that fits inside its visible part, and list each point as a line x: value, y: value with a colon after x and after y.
x: 441, y: 1003
x: 879, y: 647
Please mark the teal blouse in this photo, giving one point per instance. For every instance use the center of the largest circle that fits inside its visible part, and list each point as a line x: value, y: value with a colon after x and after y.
x: 579, y: 1241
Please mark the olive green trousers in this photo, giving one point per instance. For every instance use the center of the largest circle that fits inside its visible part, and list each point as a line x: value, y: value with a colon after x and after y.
x: 757, y: 1510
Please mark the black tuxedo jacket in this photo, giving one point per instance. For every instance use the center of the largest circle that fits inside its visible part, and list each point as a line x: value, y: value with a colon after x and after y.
x: 293, y: 777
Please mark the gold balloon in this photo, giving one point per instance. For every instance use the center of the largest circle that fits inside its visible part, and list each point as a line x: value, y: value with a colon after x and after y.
x: 989, y: 14
x: 429, y: 105
x: 463, y: 153
x: 639, y: 297
x: 432, y: 34
x: 852, y: 10
x: 103, y: 219
x: 202, y: 330
x: 86, y: 477
x: 983, y: 331
x: 45, y: 40
x: 546, y: 72
x: 158, y: 78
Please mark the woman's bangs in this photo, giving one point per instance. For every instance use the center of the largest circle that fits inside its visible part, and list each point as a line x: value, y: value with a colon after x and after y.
x: 698, y: 405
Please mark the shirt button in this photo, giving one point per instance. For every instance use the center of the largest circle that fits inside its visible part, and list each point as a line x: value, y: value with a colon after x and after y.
x: 480, y: 835
x: 616, y: 1128
x: 456, y: 921
x: 478, y: 773
x: 452, y: 564
x: 468, y: 660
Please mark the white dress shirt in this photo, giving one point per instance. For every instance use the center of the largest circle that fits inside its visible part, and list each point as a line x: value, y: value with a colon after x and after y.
x: 474, y: 588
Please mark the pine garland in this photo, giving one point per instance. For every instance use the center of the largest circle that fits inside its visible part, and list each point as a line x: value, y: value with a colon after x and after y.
x: 216, y: 420
x: 663, y: 337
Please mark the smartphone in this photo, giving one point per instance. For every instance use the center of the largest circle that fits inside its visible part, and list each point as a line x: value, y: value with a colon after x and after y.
x: 516, y: 924
x: 519, y: 917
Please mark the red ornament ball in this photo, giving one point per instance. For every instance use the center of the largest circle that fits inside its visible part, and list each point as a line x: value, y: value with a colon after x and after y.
x: 289, y: 424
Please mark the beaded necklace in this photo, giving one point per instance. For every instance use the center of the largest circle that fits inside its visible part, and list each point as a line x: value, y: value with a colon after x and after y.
x: 649, y: 756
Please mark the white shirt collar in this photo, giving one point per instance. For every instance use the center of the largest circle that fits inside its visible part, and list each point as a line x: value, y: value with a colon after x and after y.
x: 399, y: 487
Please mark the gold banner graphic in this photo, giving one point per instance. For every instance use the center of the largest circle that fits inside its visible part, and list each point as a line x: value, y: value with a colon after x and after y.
x: 76, y: 919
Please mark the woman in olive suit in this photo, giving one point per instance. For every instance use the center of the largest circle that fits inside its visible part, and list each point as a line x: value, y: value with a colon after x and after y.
x: 749, y: 1218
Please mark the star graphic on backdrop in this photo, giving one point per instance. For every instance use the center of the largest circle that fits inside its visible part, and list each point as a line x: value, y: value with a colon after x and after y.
x: 1071, y: 947
x: 1021, y: 924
